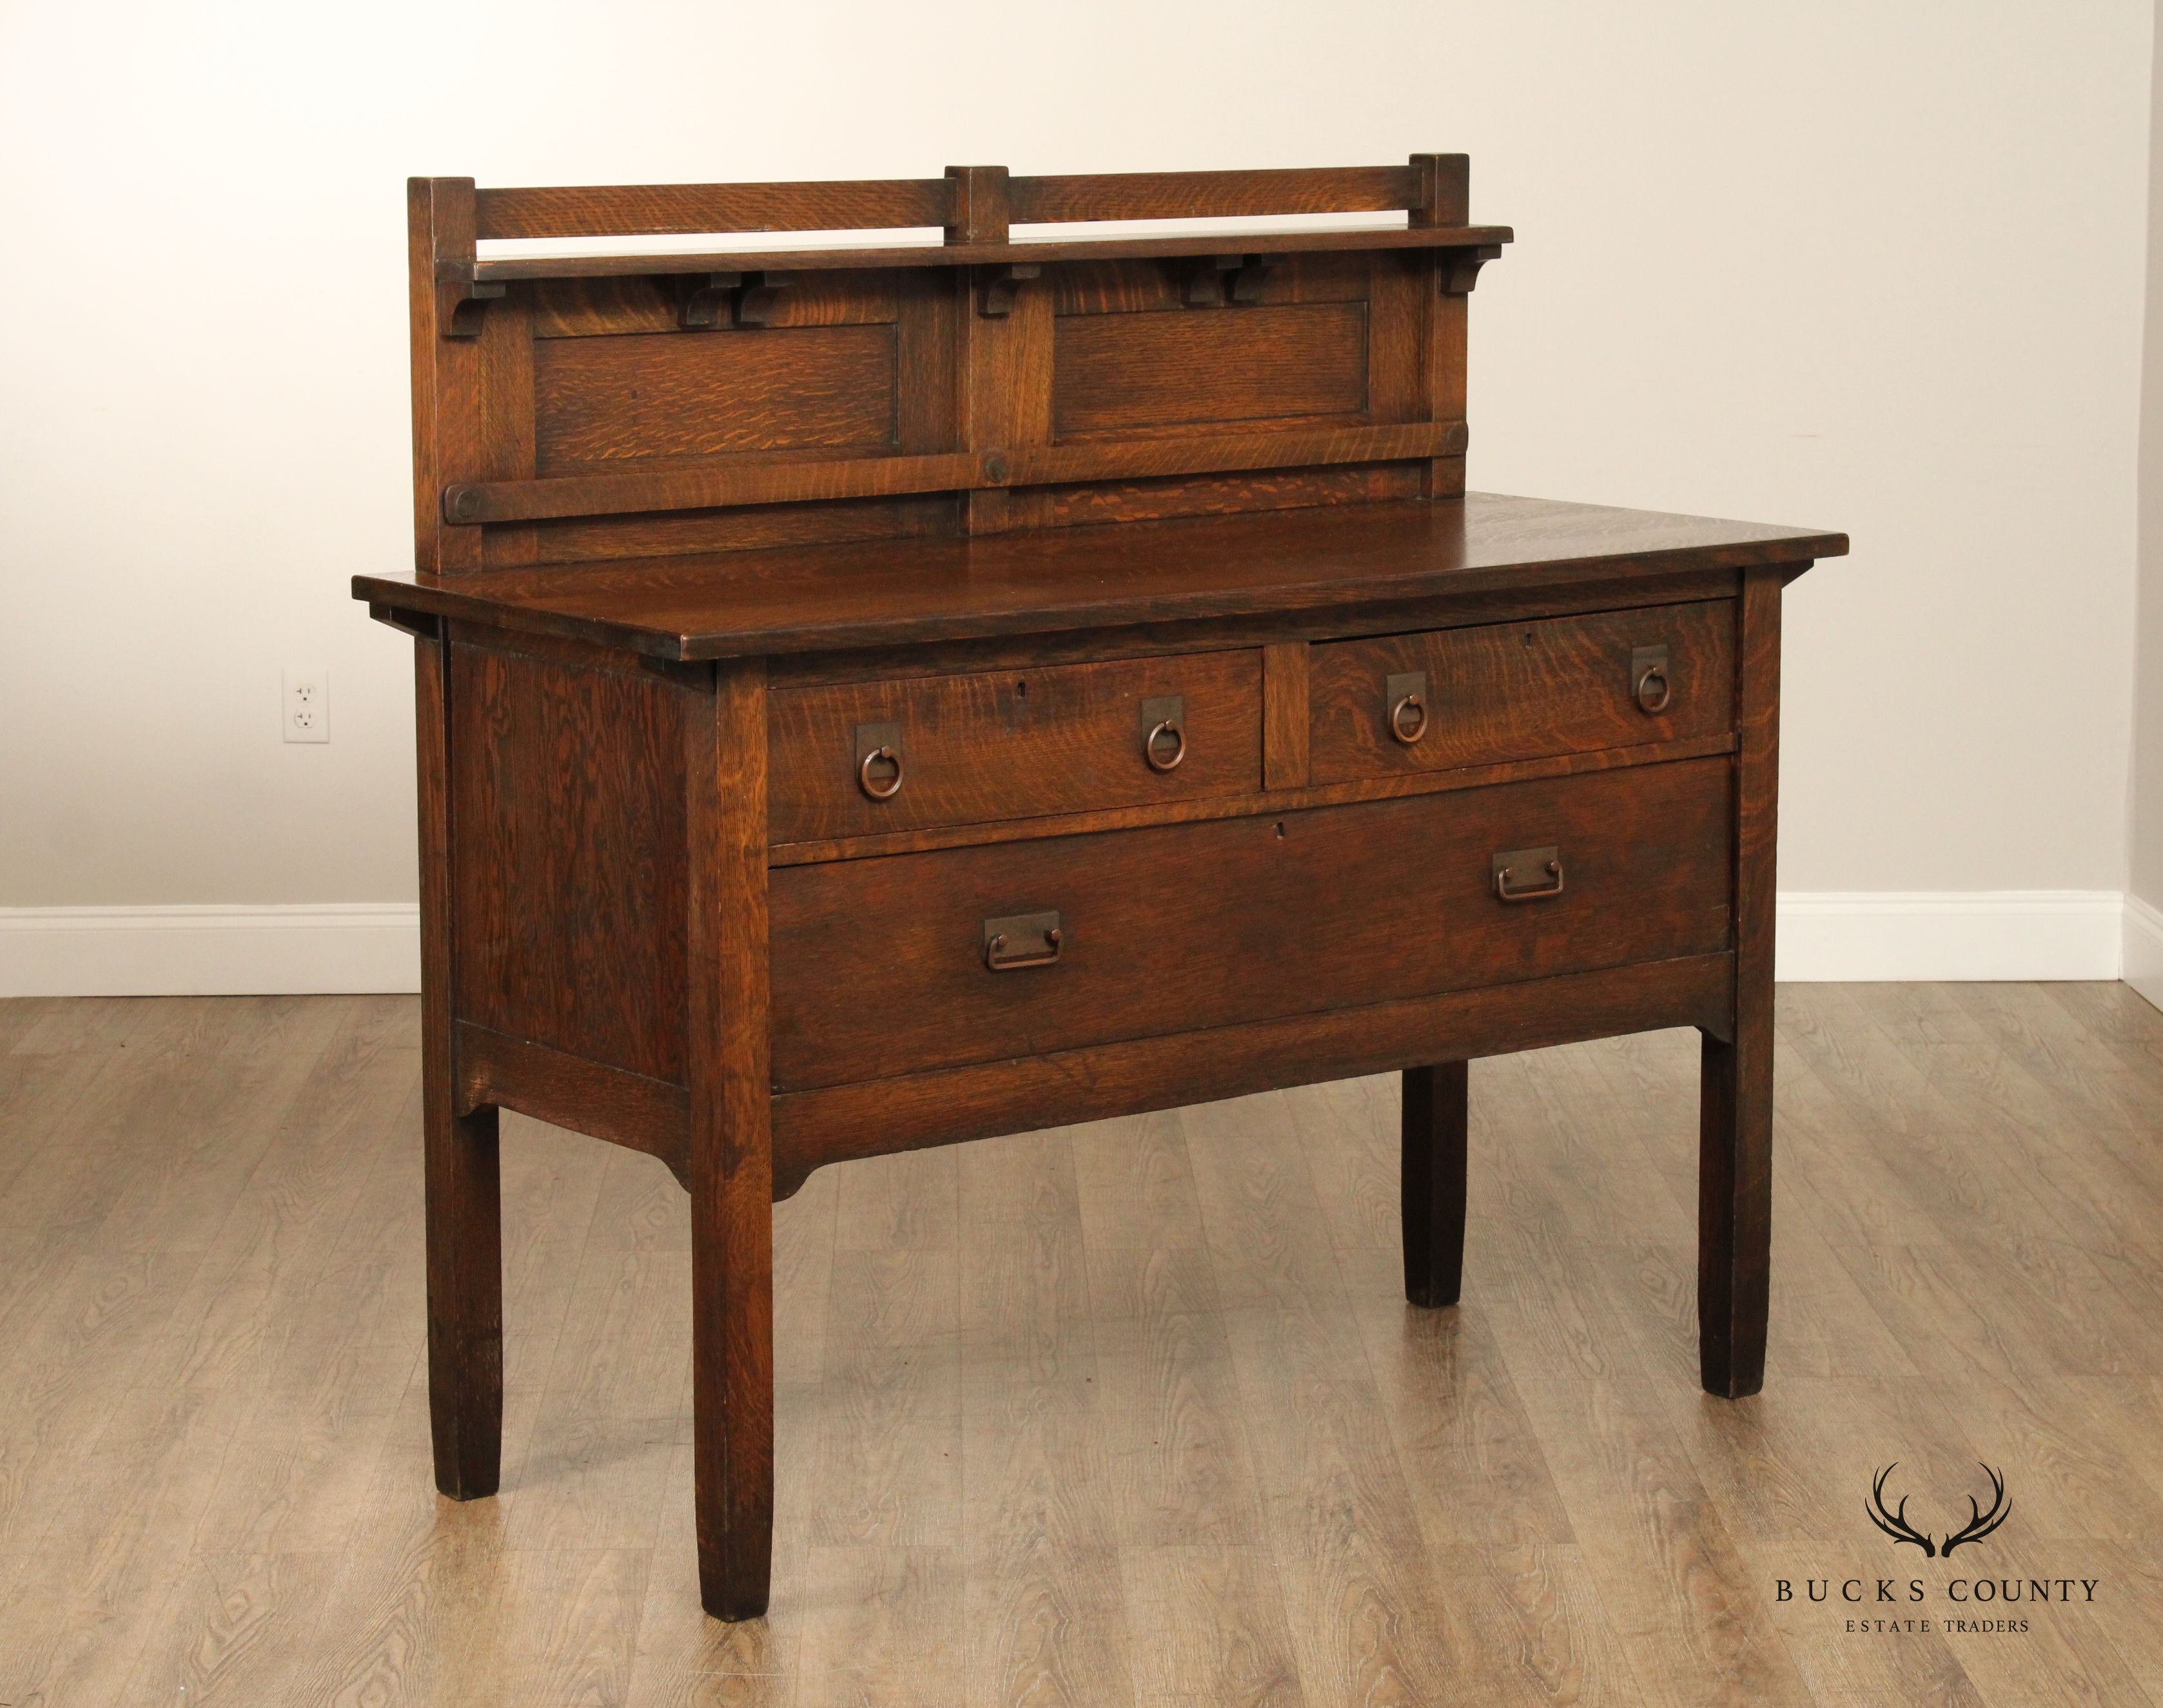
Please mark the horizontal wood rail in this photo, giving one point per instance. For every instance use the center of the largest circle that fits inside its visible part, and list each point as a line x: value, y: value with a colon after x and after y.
x: 495, y: 1069
x: 467, y: 502
x: 1215, y: 195
x: 971, y: 203
x: 658, y: 210
x: 705, y: 488
x: 1137, y: 459
x: 874, y: 1117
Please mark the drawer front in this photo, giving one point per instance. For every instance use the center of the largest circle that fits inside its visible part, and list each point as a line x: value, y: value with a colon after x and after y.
x: 1015, y: 743
x: 887, y: 966
x: 1508, y: 691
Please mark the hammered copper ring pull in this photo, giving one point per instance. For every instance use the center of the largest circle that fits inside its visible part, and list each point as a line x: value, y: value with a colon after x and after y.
x: 1654, y: 689
x: 892, y: 786
x: 1157, y: 761
x: 1408, y: 718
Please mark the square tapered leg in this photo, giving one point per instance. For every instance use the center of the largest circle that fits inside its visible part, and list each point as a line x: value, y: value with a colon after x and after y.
x: 1433, y: 1184
x: 731, y: 1160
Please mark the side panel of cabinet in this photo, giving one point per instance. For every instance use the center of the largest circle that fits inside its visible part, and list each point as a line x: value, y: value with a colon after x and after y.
x: 566, y: 853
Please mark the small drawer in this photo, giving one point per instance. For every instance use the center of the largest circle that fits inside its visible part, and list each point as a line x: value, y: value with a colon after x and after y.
x: 861, y: 758
x: 919, y: 961
x: 1510, y: 690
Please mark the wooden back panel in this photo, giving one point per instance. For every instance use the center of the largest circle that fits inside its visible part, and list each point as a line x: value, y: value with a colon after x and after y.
x: 585, y: 408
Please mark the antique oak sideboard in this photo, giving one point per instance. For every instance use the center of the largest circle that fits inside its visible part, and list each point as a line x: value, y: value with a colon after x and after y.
x: 875, y: 697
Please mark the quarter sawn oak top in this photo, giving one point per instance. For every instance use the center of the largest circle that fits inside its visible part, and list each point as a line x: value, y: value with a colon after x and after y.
x: 881, y: 592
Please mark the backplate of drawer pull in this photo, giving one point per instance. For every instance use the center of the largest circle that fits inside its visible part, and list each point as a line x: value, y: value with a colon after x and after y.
x: 879, y: 760
x: 1404, y: 701
x: 1164, y: 731
x: 1528, y: 874
x: 1648, y: 680
x: 1021, y: 940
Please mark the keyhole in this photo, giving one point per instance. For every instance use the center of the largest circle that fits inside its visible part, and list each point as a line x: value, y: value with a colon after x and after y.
x: 1281, y: 835
x: 1021, y: 690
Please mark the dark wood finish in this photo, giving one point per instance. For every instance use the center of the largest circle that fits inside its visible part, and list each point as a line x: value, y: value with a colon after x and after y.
x: 1030, y: 251
x: 1431, y: 1181
x: 731, y: 1141
x: 572, y: 863
x: 836, y: 598
x: 977, y: 205
x: 1013, y: 743
x: 1215, y: 807
x: 446, y: 417
x: 612, y: 399
x: 1735, y: 1105
x: 1110, y: 374
x: 1216, y: 195
x: 1189, y: 926
x: 571, y: 1091
x: 877, y: 1117
x: 880, y: 695
x: 1519, y: 690
x: 803, y: 481
x: 465, y: 1216
x: 655, y: 210
x: 1505, y: 604
x: 1285, y: 715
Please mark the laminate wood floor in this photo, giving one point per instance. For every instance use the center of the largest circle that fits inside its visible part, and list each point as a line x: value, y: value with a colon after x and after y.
x: 1130, y: 1413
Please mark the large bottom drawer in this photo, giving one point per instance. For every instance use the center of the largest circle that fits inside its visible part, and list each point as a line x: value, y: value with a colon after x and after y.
x: 887, y: 966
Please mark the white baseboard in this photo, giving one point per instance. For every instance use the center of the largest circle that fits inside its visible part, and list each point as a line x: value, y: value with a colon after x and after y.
x: 2144, y: 948
x: 306, y: 949
x: 1900, y: 935
x: 372, y: 946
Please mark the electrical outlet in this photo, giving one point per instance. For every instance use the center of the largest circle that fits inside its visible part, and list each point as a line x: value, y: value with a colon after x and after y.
x: 307, y: 705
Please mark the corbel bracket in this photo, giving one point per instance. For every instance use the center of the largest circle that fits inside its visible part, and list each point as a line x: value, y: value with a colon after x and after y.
x: 709, y: 300
x: 1210, y: 281
x: 1253, y: 274
x: 461, y: 304
x: 996, y: 301
x: 421, y: 625
x: 703, y: 300
x: 1460, y: 268
x: 759, y: 296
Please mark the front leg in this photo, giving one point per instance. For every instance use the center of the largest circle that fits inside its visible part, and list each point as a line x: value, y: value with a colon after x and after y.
x: 464, y: 1218
x: 464, y: 1204
x: 1735, y: 1098
x: 732, y: 1162
x: 1432, y: 1183
x: 732, y: 1365
x: 1734, y: 1209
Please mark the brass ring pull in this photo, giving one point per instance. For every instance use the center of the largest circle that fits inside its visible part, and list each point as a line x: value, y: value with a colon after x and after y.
x: 1157, y: 762
x: 999, y: 961
x: 1408, y: 719
x: 875, y: 791
x: 1506, y: 890
x: 1654, y: 690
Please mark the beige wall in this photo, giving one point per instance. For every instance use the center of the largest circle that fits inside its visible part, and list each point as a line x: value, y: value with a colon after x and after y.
x: 2146, y: 877
x: 1875, y: 265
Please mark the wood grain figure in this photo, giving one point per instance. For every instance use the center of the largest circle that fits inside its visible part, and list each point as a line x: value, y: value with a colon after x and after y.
x: 982, y: 680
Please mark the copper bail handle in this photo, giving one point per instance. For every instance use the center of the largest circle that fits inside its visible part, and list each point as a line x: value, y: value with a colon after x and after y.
x: 1654, y: 690
x: 1167, y: 726
x: 1408, y: 718
x: 1507, y: 889
x: 875, y: 791
x: 998, y: 960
